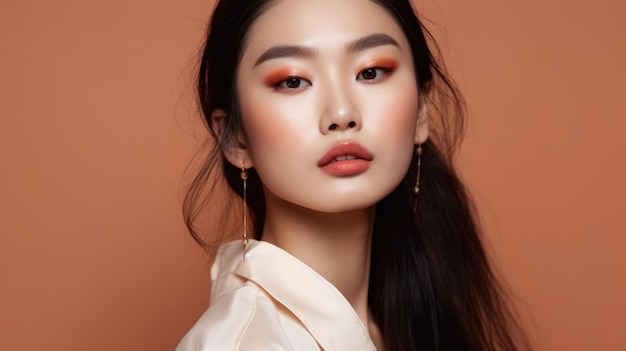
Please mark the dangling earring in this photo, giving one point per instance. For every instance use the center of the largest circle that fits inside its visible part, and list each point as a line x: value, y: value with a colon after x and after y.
x: 416, y: 189
x: 244, y: 178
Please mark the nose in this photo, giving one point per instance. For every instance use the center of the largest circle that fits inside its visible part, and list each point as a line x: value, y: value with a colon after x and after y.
x: 340, y: 113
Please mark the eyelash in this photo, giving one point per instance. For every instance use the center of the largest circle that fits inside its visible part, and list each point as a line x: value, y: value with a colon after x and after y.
x: 382, y: 72
x: 283, y: 83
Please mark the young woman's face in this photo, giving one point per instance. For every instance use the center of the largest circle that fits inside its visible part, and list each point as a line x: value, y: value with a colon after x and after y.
x: 328, y: 98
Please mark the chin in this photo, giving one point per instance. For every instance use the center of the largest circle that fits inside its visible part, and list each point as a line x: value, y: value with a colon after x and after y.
x: 346, y: 203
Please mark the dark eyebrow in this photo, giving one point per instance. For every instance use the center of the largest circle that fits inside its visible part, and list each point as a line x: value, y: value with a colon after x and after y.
x: 285, y: 51
x: 367, y: 42
x: 371, y: 41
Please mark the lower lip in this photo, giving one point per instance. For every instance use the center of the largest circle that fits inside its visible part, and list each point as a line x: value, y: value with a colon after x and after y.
x: 346, y: 168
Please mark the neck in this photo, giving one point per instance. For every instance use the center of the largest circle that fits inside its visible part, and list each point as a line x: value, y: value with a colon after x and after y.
x: 335, y: 245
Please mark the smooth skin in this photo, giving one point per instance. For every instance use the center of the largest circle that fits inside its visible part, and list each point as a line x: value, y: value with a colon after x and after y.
x: 314, y: 74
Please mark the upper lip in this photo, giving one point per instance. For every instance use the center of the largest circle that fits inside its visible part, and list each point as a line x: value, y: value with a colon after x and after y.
x: 344, y: 148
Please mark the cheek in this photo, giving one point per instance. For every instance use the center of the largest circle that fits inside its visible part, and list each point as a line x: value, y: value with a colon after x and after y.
x: 396, y: 113
x: 260, y: 120
x: 396, y: 120
x: 404, y: 112
x: 272, y: 127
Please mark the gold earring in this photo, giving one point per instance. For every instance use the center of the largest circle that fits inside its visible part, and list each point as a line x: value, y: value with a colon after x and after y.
x: 416, y: 189
x: 244, y: 178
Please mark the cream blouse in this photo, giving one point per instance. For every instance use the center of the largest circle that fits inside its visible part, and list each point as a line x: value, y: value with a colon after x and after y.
x: 273, y: 301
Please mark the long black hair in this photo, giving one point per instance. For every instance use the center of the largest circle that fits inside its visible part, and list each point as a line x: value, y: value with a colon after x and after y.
x: 431, y: 284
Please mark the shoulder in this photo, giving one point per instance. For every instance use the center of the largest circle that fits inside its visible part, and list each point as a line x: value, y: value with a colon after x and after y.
x: 242, y: 319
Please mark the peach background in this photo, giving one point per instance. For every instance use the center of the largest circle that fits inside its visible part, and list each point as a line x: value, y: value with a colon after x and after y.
x: 95, y: 133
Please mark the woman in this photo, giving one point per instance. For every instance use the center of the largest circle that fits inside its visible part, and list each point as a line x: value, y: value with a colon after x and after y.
x: 337, y: 127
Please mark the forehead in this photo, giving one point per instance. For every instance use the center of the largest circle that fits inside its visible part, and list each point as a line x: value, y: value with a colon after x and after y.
x: 320, y: 23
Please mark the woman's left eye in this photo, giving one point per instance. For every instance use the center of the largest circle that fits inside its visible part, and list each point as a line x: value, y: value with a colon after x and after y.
x: 372, y: 73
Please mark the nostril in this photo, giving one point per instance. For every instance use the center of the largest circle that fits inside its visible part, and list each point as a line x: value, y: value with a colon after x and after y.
x: 352, y: 124
x: 333, y: 126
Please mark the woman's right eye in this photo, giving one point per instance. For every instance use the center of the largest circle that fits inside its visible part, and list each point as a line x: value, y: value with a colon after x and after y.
x: 293, y: 83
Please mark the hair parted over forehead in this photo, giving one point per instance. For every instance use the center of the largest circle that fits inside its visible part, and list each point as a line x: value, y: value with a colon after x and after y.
x: 431, y: 284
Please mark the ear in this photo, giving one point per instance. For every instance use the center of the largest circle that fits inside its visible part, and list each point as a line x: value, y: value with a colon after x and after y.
x: 421, y: 127
x: 236, y: 149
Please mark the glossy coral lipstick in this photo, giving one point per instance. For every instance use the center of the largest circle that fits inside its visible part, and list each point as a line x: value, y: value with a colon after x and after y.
x: 346, y: 158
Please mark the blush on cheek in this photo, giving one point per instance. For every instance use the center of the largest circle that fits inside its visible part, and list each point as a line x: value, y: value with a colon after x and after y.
x: 404, y: 110
x: 265, y: 130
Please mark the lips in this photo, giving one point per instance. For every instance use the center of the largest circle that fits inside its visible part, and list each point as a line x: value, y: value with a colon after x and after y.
x: 345, y: 159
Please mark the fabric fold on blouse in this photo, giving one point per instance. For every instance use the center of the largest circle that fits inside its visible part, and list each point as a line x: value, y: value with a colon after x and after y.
x: 273, y: 301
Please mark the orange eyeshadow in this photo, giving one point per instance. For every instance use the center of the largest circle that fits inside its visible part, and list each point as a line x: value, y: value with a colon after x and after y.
x: 279, y: 75
x: 384, y: 63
